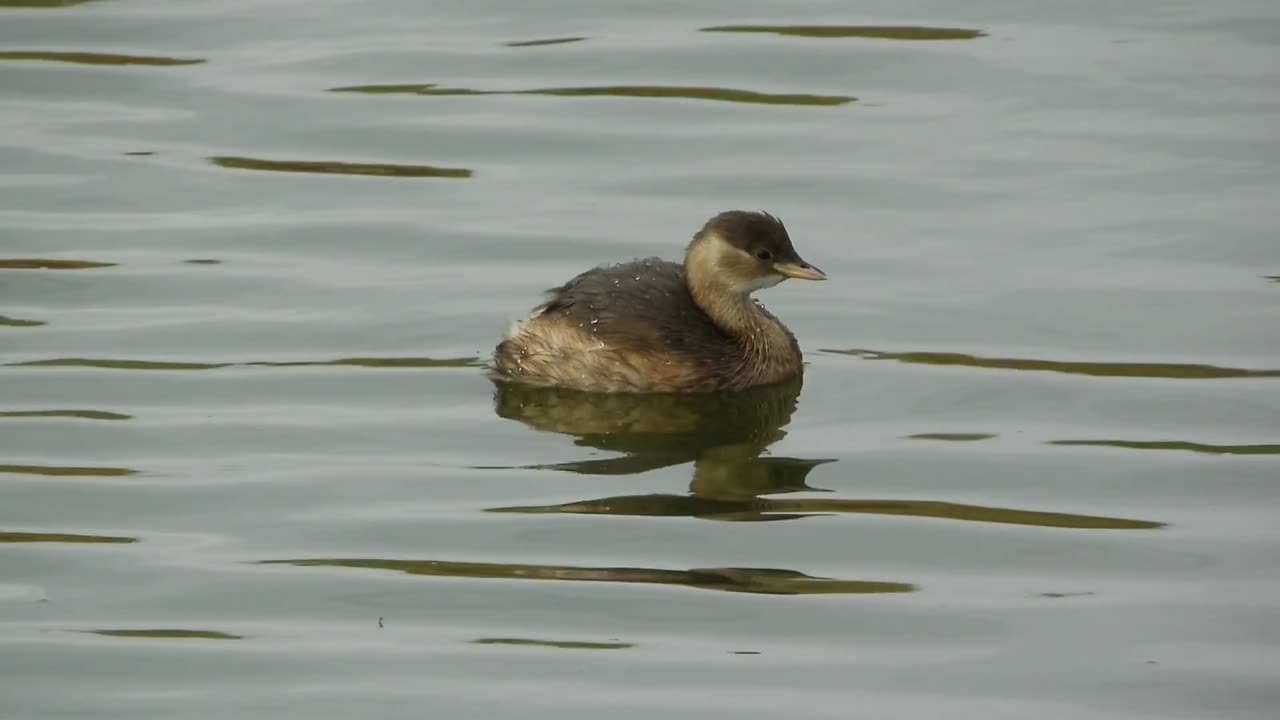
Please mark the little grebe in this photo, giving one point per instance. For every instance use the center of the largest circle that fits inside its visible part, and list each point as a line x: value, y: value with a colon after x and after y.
x: 657, y: 326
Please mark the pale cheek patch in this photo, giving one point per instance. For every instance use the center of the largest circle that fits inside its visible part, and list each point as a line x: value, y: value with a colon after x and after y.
x: 731, y: 261
x: 759, y: 283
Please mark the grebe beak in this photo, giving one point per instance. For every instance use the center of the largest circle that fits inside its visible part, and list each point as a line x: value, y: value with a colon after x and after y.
x: 800, y: 270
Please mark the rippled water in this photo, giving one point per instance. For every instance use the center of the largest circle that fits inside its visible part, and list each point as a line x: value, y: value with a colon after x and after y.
x: 253, y: 257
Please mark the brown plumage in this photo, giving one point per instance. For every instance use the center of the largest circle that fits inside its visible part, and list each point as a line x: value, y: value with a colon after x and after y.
x: 656, y: 326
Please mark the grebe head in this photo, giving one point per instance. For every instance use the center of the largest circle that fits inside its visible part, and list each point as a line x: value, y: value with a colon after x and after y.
x: 742, y: 252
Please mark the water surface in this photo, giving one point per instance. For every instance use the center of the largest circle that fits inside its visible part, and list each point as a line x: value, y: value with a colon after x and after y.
x: 253, y: 257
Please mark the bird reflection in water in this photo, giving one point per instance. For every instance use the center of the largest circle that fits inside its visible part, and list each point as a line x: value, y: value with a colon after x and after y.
x: 724, y: 436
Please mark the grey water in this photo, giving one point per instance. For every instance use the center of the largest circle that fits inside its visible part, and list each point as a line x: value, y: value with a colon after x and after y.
x: 254, y: 255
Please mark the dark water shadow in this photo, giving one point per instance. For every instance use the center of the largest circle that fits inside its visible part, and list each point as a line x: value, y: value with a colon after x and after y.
x: 1175, y: 371
x: 1179, y: 445
x: 93, y: 58
x: 50, y: 264
x: 542, y: 43
x: 166, y: 633
x: 952, y: 437
x: 109, y: 364
x: 37, y: 4
x: 67, y: 471
x: 331, y: 167
x: 882, y: 32
x: 380, y: 362
x: 364, y: 362
x: 628, y: 91
x: 556, y: 644
x: 765, y: 509
x: 26, y: 537
x: 202, y: 261
x: 6, y: 321
x: 81, y: 414
x: 767, y: 581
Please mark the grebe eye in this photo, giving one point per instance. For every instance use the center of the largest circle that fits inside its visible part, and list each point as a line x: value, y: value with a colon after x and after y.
x: 764, y: 254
